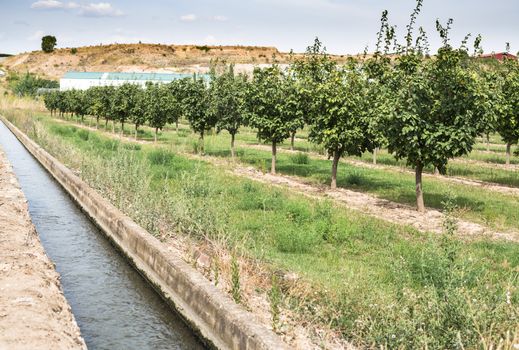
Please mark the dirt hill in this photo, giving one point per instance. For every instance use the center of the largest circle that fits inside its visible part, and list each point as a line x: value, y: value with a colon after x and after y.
x: 141, y: 57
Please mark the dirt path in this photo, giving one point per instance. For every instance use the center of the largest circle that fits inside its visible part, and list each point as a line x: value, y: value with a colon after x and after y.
x: 431, y: 221
x: 454, y: 179
x: 511, y: 167
x: 33, y: 311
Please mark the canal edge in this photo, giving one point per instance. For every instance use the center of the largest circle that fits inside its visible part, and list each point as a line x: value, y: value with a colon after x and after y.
x: 34, y: 312
x: 218, y: 320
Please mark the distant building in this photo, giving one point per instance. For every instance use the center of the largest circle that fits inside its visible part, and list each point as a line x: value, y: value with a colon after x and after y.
x: 499, y: 56
x: 84, y: 80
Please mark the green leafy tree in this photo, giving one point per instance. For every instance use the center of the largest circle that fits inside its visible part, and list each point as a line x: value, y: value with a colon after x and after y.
x: 228, y: 102
x: 435, y: 114
x: 48, y: 43
x: 156, y: 111
x: 123, y: 103
x: 78, y: 103
x: 28, y: 84
x: 107, y: 94
x: 173, y: 101
x: 507, y: 110
x: 196, y: 103
x: 62, y: 104
x: 267, y: 108
x: 98, y: 98
x: 51, y: 101
x: 138, y: 112
x: 296, y: 103
x: 378, y: 68
x: 340, y: 121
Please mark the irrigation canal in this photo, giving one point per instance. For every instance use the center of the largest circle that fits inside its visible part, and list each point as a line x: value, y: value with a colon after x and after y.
x: 114, y: 306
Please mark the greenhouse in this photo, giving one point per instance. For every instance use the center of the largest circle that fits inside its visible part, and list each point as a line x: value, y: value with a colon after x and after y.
x: 84, y: 80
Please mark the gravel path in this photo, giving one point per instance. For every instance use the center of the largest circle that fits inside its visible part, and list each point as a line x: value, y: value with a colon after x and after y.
x: 33, y: 311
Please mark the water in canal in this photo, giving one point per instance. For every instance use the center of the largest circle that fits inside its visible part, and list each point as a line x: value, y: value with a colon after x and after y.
x: 113, y: 305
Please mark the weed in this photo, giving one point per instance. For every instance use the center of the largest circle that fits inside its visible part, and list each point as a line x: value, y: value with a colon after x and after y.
x: 235, y: 279
x: 160, y: 157
x: 300, y: 158
x: 354, y: 179
x: 275, y: 301
x: 215, y: 264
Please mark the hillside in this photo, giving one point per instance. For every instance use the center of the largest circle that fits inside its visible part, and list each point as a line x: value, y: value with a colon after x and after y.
x: 141, y: 57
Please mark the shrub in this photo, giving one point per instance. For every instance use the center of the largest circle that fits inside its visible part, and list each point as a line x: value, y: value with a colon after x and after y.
x: 296, y: 239
x: 160, y: 157
x: 300, y: 158
x: 28, y: 84
x: 83, y: 134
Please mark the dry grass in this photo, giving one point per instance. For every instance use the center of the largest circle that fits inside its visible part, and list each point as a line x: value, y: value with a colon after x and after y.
x: 141, y: 57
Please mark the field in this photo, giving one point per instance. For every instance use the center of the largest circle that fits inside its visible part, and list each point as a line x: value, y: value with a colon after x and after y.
x: 352, y: 274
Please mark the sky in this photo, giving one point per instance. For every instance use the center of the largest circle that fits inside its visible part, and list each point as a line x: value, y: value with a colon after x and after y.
x: 344, y: 26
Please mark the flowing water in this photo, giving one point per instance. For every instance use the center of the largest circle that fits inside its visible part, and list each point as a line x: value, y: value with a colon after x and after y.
x: 113, y: 305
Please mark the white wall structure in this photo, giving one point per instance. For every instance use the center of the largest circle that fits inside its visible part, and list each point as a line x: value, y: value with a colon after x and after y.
x: 84, y: 80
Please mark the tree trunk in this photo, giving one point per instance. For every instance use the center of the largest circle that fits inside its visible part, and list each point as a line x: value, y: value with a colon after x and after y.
x: 156, y: 131
x: 335, y: 165
x: 113, y: 126
x: 97, y: 122
x: 488, y: 142
x: 292, y: 137
x: 436, y: 171
x: 176, y: 125
x: 136, y: 129
x: 106, y: 124
x: 122, y: 128
x: 508, y: 151
x: 232, y: 145
x: 274, y: 152
x: 201, y: 149
x: 375, y: 155
x: 419, y: 193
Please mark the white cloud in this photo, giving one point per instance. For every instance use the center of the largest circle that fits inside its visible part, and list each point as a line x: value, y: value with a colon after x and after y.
x: 188, y: 18
x: 220, y: 18
x: 37, y: 35
x: 53, y: 4
x: 102, y: 9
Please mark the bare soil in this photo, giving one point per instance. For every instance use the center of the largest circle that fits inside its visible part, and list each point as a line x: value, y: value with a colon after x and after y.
x: 465, y: 181
x: 143, y: 58
x: 34, y: 313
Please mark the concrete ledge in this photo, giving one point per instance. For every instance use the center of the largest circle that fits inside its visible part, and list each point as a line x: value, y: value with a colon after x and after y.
x: 219, y: 321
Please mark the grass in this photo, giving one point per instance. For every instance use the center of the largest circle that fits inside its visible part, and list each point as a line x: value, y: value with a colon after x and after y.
x: 497, y: 210
x: 463, y: 169
x: 376, y: 283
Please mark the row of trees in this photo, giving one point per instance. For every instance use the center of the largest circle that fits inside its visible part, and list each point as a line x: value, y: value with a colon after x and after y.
x: 424, y: 109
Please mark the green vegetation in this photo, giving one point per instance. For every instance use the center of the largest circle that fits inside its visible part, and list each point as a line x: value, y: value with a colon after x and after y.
x: 48, y: 43
x: 375, y: 282
x: 28, y: 84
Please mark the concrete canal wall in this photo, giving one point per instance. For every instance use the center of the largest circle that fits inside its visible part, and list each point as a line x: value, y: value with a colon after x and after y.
x: 214, y: 316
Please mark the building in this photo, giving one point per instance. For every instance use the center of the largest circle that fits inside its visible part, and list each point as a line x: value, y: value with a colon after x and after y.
x: 84, y: 80
x: 499, y: 56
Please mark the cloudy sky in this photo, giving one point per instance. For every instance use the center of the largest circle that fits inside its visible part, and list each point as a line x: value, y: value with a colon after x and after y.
x: 345, y: 26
